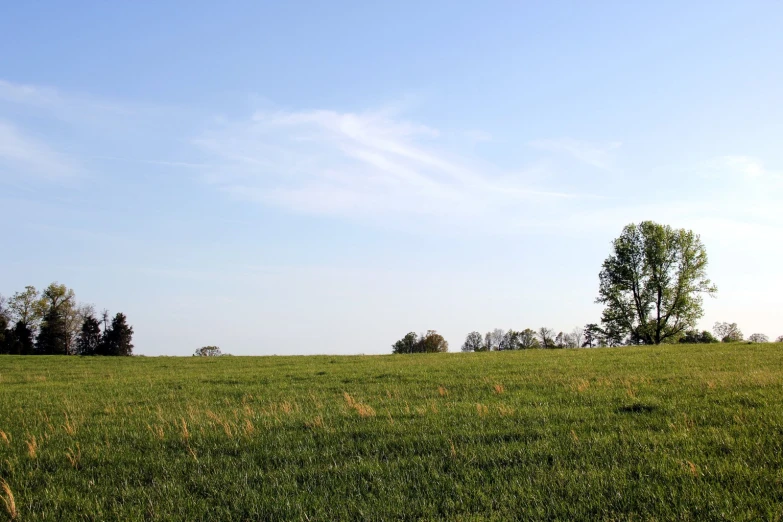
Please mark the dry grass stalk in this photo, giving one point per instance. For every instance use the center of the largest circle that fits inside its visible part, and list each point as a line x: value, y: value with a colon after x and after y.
x: 157, y: 431
x: 498, y: 388
x: 32, y: 447
x: 482, y: 410
x: 74, y: 456
x: 363, y: 410
x: 442, y: 391
x: 69, y: 427
x: 185, y: 432
x: 5, y: 438
x: 453, y: 449
x: 248, y: 429
x: 505, y: 411
x: 8, y: 500
x: 317, y: 422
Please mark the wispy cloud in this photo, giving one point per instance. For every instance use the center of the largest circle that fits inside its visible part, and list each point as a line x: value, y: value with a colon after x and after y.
x: 360, y: 164
x: 597, y: 155
x: 747, y: 166
x: 22, y: 154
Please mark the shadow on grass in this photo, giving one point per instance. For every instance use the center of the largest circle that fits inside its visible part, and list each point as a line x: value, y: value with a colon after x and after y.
x: 636, y: 408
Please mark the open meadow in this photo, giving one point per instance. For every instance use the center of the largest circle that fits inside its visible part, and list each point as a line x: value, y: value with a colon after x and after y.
x: 680, y: 432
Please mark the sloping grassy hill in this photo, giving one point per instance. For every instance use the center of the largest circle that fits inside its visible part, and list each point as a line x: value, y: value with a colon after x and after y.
x: 673, y: 432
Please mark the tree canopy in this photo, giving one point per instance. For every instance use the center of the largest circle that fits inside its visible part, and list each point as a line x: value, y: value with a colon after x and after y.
x: 652, y: 283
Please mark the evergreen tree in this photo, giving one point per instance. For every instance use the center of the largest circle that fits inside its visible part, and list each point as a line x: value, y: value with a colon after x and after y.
x: 117, y: 339
x: 89, y: 340
x: 52, y: 339
x: 20, y: 339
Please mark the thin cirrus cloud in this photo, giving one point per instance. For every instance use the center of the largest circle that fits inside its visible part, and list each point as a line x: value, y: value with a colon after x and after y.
x: 21, y: 154
x: 597, y: 155
x: 370, y: 163
x: 746, y: 166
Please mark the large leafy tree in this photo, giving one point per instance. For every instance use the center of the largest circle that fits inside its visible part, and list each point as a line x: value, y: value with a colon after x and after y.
x: 407, y: 344
x: 26, y: 307
x: 55, y: 337
x: 652, y: 283
x: 474, y: 342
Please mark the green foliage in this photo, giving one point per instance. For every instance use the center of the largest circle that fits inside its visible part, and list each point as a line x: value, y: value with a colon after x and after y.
x: 527, y: 339
x: 592, y: 335
x: 52, y: 339
x: 90, y: 337
x: 208, y: 351
x: 474, y: 342
x: 407, y: 344
x: 117, y: 339
x: 651, y: 284
x: 696, y: 337
x: 655, y: 433
x: 431, y: 342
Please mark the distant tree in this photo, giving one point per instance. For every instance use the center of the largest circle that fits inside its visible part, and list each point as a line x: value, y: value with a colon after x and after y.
x: 576, y: 337
x: 19, y: 340
x: 651, y: 284
x: 474, y: 342
x: 727, y: 333
x: 494, y: 339
x: 560, y: 340
x: 117, y: 340
x: 432, y: 342
x: 527, y: 339
x: 52, y: 335
x: 510, y: 340
x: 74, y: 316
x: 758, y: 338
x: 592, y: 334
x: 696, y: 337
x: 26, y: 307
x: 89, y: 340
x: 407, y: 344
x: 779, y: 339
x: 707, y: 338
x: 545, y: 337
x: 208, y: 351
x: 5, y: 333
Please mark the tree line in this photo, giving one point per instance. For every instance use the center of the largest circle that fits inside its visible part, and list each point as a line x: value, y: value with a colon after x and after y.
x: 652, y: 287
x: 52, y: 322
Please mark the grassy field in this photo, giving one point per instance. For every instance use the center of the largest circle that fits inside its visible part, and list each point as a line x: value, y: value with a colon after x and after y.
x: 665, y: 433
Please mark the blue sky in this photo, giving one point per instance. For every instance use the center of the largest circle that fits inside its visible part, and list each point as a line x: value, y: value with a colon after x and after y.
x: 325, y: 177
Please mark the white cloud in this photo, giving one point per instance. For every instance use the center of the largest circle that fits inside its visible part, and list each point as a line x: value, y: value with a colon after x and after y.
x: 596, y: 155
x: 362, y: 164
x: 25, y: 155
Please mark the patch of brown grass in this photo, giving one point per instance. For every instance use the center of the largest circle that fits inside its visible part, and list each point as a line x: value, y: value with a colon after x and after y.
x: 363, y: 410
x: 5, y: 438
x: 481, y: 410
x: 499, y: 389
x: 442, y: 391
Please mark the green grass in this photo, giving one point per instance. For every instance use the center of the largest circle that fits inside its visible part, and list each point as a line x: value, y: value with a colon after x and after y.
x: 672, y: 432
